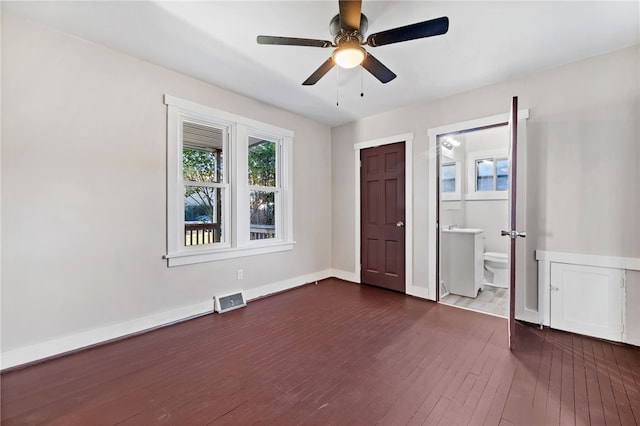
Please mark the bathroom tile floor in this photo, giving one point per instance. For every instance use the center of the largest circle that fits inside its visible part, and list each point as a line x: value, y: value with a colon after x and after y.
x: 492, y: 300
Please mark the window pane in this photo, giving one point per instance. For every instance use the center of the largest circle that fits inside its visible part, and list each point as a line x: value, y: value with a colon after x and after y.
x: 203, y: 215
x: 448, y: 178
x: 262, y: 215
x: 502, y: 175
x: 202, y: 164
x: 202, y: 152
x: 484, y: 175
x: 262, y: 162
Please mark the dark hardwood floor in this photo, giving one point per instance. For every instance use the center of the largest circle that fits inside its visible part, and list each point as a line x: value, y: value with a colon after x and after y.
x: 334, y: 353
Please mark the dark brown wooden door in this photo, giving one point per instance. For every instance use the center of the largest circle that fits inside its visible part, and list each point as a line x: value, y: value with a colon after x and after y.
x: 382, y: 216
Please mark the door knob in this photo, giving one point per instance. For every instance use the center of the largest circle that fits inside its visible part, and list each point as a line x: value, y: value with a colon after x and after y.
x: 554, y: 288
x: 400, y: 224
x: 513, y: 234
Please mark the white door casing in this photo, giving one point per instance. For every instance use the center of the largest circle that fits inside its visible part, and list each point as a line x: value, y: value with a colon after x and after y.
x: 522, y: 312
x: 407, y: 138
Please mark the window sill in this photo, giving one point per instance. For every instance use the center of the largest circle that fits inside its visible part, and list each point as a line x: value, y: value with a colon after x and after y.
x: 191, y: 257
x: 487, y: 195
x: 450, y: 196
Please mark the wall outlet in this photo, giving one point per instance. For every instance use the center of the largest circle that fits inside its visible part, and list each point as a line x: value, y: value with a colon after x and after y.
x: 240, y: 274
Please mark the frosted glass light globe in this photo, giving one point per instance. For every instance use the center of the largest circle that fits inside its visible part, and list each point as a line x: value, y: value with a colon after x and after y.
x: 349, y: 56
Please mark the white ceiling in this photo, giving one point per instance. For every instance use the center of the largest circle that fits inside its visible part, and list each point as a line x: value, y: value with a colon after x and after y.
x: 215, y: 42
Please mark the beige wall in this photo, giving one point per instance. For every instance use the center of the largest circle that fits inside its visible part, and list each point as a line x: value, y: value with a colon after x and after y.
x: 583, y: 157
x: 84, y: 190
x: 84, y: 181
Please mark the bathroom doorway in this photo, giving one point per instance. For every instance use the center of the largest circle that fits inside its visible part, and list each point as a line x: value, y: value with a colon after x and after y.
x: 473, y: 209
x: 523, y: 289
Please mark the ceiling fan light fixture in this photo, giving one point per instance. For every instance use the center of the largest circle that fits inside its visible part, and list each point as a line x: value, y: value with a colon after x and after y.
x: 348, y: 28
x: 349, y: 55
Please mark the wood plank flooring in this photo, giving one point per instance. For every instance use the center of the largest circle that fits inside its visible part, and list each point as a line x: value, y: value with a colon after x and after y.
x: 334, y: 353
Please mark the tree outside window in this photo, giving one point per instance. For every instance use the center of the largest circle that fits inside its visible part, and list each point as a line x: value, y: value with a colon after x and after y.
x: 202, y: 174
x: 263, y: 188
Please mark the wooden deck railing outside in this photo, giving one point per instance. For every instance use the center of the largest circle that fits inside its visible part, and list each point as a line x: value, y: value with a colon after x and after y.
x: 208, y: 233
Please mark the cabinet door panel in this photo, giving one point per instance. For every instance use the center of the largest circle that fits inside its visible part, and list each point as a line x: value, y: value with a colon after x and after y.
x: 587, y: 300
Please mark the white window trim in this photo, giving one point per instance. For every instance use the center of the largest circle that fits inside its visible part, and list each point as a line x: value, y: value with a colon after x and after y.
x: 237, y: 242
x: 455, y: 195
x: 472, y: 157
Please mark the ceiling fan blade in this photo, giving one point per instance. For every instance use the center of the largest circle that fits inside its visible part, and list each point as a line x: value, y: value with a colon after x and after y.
x: 350, y: 11
x: 320, y: 72
x: 378, y: 69
x: 291, y: 41
x: 429, y: 28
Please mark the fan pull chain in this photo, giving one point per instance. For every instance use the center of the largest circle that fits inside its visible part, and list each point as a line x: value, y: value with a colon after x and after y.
x: 361, y: 82
x: 337, y: 87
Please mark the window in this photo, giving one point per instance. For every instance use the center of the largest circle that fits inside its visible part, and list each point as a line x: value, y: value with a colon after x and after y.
x: 228, y: 186
x: 450, y: 181
x: 205, y: 185
x: 492, y: 174
x: 502, y: 174
x: 488, y: 175
x: 263, y: 188
x: 449, y: 177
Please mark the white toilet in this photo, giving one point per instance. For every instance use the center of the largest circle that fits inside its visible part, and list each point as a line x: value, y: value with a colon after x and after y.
x: 496, y: 267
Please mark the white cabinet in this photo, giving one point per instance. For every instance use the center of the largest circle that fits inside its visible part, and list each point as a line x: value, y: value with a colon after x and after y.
x: 461, y: 260
x: 588, y: 294
x: 587, y: 300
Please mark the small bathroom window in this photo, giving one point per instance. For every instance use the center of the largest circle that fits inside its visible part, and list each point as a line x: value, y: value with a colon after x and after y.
x: 488, y: 175
x: 502, y: 174
x: 450, y: 181
x: 449, y: 177
x: 492, y: 174
x: 484, y: 175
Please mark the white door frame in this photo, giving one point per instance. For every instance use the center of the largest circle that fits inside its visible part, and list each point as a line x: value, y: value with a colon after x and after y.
x: 407, y: 138
x: 433, y: 133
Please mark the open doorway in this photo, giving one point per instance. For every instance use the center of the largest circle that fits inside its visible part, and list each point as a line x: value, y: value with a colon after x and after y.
x: 473, y: 209
x: 523, y: 294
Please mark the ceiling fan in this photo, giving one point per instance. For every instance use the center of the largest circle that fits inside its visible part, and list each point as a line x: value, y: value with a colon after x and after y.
x: 348, y: 29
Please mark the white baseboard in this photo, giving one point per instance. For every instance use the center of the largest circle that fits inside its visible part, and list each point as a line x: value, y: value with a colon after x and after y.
x: 39, y: 351
x: 73, y: 342
x: 420, y: 292
x: 529, y: 316
x: 345, y: 275
x: 634, y: 340
x: 265, y: 290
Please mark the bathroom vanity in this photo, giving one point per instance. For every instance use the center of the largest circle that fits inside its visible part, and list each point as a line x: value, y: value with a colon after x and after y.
x: 461, y: 260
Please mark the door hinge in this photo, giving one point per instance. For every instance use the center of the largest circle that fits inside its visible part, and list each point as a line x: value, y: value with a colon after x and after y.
x: 360, y: 163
